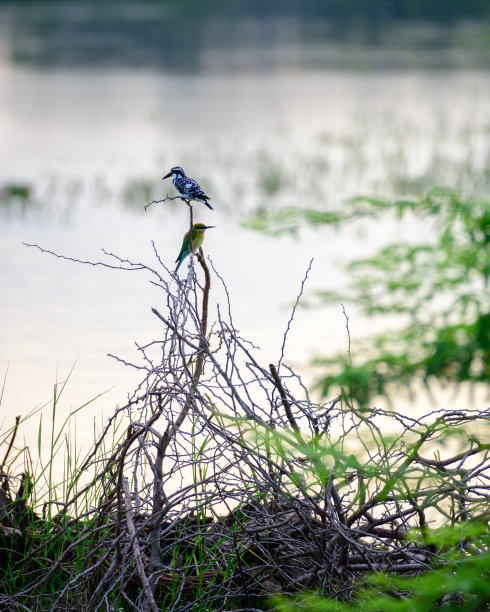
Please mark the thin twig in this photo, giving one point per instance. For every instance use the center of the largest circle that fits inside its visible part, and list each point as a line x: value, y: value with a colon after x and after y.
x: 348, y: 333
x: 165, y: 199
x: 298, y: 298
x: 282, y: 393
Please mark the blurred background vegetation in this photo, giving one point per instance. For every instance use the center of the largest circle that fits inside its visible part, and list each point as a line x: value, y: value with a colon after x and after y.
x: 285, y: 111
x: 436, y: 296
x: 173, y: 34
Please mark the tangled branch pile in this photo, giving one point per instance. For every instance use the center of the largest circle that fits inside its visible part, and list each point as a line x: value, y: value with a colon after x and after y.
x: 231, y: 484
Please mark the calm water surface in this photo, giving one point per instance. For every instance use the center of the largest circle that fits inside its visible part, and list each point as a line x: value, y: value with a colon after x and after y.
x: 93, y: 141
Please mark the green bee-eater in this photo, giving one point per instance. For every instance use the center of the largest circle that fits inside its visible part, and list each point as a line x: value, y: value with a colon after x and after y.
x: 198, y: 230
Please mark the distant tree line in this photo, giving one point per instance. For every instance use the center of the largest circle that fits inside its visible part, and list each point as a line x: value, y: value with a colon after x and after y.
x: 438, y: 10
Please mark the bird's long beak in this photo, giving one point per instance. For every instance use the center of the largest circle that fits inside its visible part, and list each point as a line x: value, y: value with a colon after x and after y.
x: 167, y: 175
x: 209, y: 226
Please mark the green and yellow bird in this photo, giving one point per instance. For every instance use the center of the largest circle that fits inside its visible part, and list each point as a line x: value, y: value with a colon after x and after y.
x: 198, y: 230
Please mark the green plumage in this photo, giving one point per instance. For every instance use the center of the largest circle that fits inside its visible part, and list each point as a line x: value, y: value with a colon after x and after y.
x: 198, y: 230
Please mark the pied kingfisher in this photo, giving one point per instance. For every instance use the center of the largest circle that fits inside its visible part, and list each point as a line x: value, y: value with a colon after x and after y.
x: 188, y: 188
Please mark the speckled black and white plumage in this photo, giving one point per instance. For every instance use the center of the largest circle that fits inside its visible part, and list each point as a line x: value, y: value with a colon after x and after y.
x: 187, y: 187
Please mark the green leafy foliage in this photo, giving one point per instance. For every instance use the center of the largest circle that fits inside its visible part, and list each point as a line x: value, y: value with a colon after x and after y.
x: 438, y: 293
x: 289, y: 220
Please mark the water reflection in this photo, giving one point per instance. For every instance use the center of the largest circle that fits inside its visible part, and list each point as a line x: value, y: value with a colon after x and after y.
x: 96, y: 103
x: 439, y: 136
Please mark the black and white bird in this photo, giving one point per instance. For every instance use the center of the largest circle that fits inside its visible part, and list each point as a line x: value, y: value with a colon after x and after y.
x: 188, y: 188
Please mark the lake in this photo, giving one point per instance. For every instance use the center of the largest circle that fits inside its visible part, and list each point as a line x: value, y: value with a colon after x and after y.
x: 264, y: 113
